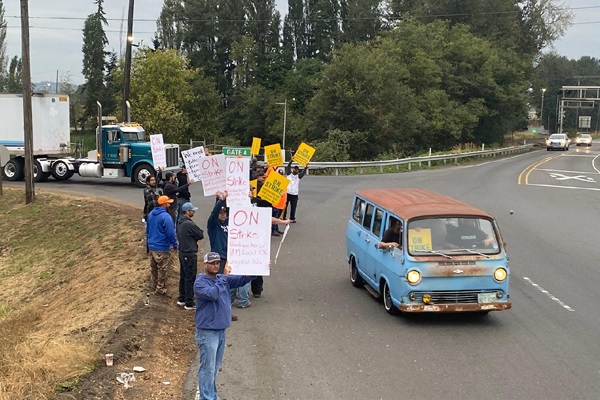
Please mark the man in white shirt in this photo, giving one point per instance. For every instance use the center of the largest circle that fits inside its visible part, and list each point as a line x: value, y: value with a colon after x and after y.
x: 294, y: 175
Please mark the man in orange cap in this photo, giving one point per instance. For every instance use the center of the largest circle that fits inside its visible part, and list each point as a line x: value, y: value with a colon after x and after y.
x: 161, y: 238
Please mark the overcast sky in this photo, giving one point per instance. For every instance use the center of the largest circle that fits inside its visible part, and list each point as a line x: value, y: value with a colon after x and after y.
x: 56, y: 31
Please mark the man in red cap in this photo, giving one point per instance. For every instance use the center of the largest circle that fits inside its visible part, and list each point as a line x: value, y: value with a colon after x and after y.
x: 161, y: 238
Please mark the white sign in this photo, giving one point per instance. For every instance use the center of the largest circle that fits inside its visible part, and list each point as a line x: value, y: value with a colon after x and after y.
x: 238, y: 182
x: 191, y: 159
x: 212, y: 172
x: 249, y: 240
x: 585, y: 121
x: 159, y: 155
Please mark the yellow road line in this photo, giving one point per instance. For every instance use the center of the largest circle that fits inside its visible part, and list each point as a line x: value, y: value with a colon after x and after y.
x: 531, y: 167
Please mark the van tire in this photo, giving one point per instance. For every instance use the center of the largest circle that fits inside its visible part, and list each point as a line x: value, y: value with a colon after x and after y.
x: 355, y: 278
x: 389, y: 306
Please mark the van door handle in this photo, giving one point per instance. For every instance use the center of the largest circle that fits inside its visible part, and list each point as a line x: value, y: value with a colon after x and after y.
x: 367, y: 240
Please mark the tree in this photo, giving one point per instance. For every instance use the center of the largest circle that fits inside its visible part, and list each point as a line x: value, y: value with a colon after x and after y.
x: 14, y: 79
x: 169, y: 97
x: 170, y: 25
x: 94, y: 56
x: 2, y: 49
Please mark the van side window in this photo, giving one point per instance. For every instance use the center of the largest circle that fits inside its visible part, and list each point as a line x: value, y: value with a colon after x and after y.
x: 368, y: 216
x: 377, y: 222
x: 359, y: 210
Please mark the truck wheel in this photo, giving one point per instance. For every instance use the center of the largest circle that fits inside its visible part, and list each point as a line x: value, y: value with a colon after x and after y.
x: 38, y: 174
x: 61, y: 171
x: 140, y: 173
x: 13, y: 170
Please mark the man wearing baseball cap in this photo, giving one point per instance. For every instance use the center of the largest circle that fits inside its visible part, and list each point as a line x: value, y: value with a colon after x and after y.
x: 161, y: 238
x: 213, y: 317
x: 188, y: 234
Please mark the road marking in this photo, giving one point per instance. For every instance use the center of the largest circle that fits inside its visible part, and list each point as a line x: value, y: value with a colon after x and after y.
x: 494, y: 161
x: 593, y: 165
x: 531, y: 167
x: 562, y: 177
x: 541, y: 289
x: 563, y: 187
x: 570, y: 172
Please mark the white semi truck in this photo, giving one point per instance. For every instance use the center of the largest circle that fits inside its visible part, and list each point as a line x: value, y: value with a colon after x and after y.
x: 121, y: 148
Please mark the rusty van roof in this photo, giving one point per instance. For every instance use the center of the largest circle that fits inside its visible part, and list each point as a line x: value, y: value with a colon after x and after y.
x: 413, y: 203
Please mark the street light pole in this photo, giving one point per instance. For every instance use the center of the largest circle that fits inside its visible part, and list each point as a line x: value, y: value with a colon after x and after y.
x: 127, y: 70
x: 542, y: 108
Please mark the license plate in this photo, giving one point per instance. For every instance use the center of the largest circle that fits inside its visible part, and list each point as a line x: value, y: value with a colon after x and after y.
x: 486, y: 297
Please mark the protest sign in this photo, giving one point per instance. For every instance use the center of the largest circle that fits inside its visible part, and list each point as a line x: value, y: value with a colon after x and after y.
x: 285, y: 232
x: 274, y: 187
x: 249, y: 240
x: 159, y: 155
x: 255, y: 149
x: 273, y: 155
x: 238, y: 182
x: 303, y: 154
x: 191, y: 159
x: 254, y: 185
x: 212, y: 171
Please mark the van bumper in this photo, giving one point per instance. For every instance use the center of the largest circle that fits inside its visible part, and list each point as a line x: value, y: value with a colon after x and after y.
x: 421, y: 308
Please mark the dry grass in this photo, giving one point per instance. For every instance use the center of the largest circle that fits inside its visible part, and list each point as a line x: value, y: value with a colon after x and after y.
x: 70, y: 269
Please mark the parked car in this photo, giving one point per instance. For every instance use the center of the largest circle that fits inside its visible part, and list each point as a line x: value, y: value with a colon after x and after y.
x: 583, y: 139
x: 558, y: 141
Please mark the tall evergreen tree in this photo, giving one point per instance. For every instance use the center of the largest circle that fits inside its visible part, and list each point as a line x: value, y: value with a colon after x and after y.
x: 14, y: 78
x: 361, y: 20
x: 2, y: 49
x: 94, y: 59
x: 170, y: 25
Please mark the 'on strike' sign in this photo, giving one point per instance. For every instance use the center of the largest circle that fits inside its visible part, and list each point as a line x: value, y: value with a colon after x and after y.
x: 249, y: 240
x: 159, y: 155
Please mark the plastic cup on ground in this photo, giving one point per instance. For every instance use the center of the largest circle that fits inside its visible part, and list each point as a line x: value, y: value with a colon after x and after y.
x: 108, y: 357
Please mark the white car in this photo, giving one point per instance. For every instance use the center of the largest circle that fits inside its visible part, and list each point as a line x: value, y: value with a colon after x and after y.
x: 558, y: 141
x: 584, y: 139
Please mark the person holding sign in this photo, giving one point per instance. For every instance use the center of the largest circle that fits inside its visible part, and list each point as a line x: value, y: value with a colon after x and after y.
x: 294, y: 175
x: 213, y: 317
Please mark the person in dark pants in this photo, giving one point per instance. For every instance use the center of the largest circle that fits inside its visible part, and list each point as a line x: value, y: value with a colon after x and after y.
x: 188, y: 235
x: 183, y: 195
x: 172, y: 190
x: 294, y: 175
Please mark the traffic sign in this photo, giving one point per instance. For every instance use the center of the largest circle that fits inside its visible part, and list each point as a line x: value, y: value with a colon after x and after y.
x: 236, y: 151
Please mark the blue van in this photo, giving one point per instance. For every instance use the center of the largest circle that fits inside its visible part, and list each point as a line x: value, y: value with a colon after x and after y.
x: 426, y: 252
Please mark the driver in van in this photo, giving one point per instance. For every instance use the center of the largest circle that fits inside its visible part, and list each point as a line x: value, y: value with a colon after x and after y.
x: 468, y: 234
x: 392, y: 236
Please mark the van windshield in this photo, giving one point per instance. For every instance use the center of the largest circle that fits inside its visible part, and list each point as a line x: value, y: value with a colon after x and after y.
x: 452, y: 236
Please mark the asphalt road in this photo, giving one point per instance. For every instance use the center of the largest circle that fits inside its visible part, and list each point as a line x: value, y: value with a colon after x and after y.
x: 313, y: 336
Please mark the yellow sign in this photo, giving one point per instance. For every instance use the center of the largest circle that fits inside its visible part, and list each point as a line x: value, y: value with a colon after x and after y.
x: 273, y: 155
x: 255, y: 149
x: 253, y: 186
x: 274, y: 187
x: 419, y: 239
x: 303, y: 154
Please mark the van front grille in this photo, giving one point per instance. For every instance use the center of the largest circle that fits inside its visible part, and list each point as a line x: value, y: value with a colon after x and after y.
x: 451, y: 296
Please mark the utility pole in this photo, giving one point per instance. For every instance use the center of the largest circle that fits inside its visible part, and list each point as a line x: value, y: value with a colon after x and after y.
x: 127, y: 72
x: 56, y: 91
x: 27, y: 117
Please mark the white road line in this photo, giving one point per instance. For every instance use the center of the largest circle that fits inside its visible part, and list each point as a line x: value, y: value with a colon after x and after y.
x: 541, y: 289
x: 494, y: 161
x: 569, y: 172
x: 562, y: 187
x: 593, y: 166
x: 576, y: 155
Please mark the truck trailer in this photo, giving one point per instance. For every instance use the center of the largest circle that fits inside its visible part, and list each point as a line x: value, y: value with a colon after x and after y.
x: 122, y: 149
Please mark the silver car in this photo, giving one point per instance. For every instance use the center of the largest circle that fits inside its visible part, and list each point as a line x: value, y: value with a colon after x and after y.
x: 558, y: 141
x: 583, y: 139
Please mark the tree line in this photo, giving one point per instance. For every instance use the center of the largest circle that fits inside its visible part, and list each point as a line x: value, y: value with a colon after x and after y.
x: 358, y: 79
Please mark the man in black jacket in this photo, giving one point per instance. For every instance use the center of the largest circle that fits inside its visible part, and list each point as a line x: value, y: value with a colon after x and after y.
x: 188, y: 234
x: 172, y: 190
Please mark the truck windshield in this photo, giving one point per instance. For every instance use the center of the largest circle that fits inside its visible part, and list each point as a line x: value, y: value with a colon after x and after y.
x: 452, y: 236
x: 135, y: 136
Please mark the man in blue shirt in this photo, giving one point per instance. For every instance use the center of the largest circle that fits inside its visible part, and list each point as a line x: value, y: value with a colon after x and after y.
x: 161, y: 238
x: 213, y: 317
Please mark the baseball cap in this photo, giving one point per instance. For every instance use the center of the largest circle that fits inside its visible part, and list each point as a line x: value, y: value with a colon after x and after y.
x: 224, y: 209
x: 164, y: 200
x: 188, y: 207
x: 211, y: 257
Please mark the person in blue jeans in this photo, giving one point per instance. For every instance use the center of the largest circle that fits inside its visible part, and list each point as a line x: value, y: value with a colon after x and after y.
x: 213, y: 317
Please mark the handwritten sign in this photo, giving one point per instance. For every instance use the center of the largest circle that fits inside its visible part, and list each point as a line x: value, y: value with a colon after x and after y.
x: 274, y: 187
x: 212, y: 171
x: 303, y: 154
x: 255, y: 149
x: 159, y: 155
x: 238, y: 182
x: 191, y: 159
x: 419, y: 239
x: 249, y: 240
x: 273, y: 155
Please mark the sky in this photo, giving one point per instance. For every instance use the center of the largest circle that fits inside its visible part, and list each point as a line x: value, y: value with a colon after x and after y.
x: 56, y: 31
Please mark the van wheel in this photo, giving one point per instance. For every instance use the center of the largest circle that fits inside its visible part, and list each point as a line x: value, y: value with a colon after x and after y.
x: 355, y: 278
x: 390, y: 308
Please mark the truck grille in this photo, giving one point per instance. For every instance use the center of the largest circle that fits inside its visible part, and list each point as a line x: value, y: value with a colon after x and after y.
x: 452, y: 296
x: 172, y: 156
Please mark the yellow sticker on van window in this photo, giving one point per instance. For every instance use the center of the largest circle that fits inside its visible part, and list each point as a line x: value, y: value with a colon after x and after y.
x: 419, y: 239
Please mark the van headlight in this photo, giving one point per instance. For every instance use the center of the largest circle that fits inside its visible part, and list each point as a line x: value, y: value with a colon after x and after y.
x: 500, y: 274
x: 413, y: 277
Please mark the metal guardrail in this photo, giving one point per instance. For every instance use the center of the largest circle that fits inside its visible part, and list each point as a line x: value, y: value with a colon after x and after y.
x: 361, y: 165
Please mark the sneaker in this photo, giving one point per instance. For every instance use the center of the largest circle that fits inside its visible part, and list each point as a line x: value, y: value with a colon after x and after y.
x: 189, y: 307
x: 234, y: 317
x: 293, y: 221
x: 275, y: 233
x: 181, y: 303
x: 257, y: 295
x: 245, y: 305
